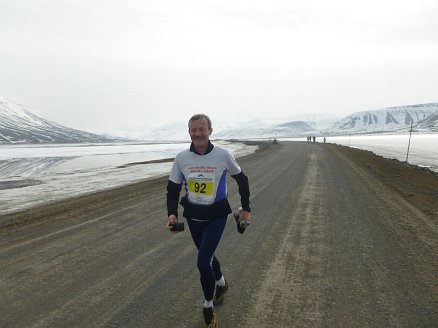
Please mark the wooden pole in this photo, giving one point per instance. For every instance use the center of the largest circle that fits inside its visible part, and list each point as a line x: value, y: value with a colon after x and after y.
x: 409, y: 144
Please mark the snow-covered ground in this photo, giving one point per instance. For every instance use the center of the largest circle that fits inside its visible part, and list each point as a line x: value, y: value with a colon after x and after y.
x: 423, y: 150
x: 41, y: 173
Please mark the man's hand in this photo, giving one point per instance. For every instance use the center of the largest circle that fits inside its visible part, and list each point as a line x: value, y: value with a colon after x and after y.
x: 171, y: 219
x: 244, y: 215
x: 242, y: 219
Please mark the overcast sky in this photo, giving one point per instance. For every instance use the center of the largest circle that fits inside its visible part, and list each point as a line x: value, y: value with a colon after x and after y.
x: 104, y: 65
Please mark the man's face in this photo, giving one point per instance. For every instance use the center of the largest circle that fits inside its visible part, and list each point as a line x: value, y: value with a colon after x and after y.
x: 199, y: 132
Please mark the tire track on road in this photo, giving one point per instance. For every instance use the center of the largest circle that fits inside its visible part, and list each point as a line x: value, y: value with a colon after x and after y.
x: 291, y: 288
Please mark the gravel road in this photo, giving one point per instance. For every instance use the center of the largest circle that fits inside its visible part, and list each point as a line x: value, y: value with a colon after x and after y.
x: 338, y: 239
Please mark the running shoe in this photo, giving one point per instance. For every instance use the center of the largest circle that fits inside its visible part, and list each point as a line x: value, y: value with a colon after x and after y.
x: 220, y: 293
x: 210, y: 320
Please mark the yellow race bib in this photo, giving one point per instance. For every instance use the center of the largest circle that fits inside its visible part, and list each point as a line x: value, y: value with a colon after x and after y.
x: 201, y: 187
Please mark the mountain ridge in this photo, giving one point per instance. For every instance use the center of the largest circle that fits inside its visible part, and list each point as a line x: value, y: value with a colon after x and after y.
x: 391, y: 119
x: 381, y: 121
x: 19, y: 125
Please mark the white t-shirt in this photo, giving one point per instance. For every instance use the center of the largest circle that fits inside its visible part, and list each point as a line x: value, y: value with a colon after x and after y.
x: 204, y: 176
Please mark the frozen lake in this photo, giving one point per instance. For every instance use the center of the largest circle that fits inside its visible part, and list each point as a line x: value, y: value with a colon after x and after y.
x: 34, y: 174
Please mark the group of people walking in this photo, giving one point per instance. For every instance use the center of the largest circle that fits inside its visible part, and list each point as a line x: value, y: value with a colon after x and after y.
x: 313, y: 138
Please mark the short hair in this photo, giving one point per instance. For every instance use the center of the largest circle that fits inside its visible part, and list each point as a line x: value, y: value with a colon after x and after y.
x: 198, y: 117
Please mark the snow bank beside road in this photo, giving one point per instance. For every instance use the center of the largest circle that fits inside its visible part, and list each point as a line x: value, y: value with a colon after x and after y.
x: 37, y: 174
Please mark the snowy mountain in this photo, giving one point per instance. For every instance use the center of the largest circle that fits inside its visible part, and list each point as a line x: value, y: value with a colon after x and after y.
x: 389, y: 120
x: 19, y: 125
x: 265, y: 130
x: 261, y: 129
x: 179, y: 130
x: 430, y: 123
x: 266, y: 127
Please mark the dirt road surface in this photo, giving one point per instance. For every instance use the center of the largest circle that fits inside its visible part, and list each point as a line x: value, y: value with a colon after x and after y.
x: 339, y: 238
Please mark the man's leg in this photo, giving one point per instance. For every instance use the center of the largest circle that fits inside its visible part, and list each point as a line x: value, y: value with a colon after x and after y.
x: 216, y: 266
x: 206, y: 236
x: 210, y: 240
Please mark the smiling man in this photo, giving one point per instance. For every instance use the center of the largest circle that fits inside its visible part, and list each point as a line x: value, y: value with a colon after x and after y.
x: 202, y: 170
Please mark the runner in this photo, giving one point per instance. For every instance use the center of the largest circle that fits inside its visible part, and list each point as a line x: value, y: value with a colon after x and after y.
x: 203, y: 169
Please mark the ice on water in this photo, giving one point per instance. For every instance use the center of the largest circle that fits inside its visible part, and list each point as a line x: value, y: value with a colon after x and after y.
x: 34, y: 174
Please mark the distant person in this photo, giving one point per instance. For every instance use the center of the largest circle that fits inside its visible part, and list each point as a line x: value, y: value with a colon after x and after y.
x: 202, y: 170
x: 324, y: 139
x: 275, y: 142
x: 314, y: 139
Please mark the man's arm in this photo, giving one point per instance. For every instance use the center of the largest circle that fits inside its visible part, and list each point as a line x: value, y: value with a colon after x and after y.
x: 242, y: 182
x: 173, y: 190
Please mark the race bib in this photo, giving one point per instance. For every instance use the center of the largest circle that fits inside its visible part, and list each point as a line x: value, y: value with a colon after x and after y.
x: 201, y: 188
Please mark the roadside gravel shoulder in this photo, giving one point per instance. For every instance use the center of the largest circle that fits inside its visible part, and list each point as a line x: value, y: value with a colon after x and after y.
x: 418, y: 186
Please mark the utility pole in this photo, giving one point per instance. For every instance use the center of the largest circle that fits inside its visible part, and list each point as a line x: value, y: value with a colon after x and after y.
x: 409, y: 144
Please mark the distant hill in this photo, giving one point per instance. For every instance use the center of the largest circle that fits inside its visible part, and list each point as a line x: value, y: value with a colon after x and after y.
x: 178, y: 130
x: 261, y: 129
x: 20, y: 125
x: 389, y: 120
x: 430, y: 123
